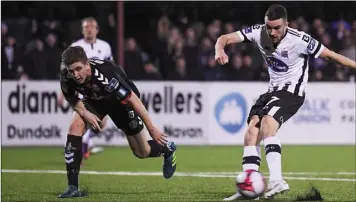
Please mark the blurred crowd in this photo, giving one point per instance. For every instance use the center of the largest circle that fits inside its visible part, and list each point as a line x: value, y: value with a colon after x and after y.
x: 182, y: 50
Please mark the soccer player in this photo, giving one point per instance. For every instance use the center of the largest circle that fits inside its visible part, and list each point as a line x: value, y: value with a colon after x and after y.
x: 286, y: 52
x: 98, y: 48
x: 107, y: 91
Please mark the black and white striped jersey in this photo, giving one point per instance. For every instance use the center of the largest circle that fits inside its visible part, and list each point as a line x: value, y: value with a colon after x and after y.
x: 107, y: 81
x: 287, y: 62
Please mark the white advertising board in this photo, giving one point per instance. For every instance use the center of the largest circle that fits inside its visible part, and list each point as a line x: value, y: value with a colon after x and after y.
x: 190, y: 113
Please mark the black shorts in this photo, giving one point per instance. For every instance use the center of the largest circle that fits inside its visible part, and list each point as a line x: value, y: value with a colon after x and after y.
x: 123, y: 116
x: 281, y: 105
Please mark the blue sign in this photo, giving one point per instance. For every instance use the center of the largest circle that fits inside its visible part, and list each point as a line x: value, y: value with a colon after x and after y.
x: 231, y: 112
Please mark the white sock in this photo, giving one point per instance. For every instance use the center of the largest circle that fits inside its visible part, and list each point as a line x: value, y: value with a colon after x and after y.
x: 274, y: 158
x: 251, y: 158
x: 86, y: 137
x: 90, y: 143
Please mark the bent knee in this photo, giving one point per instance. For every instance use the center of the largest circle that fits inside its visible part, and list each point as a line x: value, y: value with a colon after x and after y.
x: 252, y: 131
x: 77, y: 127
x: 269, y: 126
x: 141, y: 154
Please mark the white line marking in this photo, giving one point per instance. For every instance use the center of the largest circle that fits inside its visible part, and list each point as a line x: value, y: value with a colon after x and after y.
x: 290, y: 173
x: 179, y: 174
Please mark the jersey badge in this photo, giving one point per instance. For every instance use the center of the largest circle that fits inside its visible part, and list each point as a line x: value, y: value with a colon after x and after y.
x: 112, y: 85
x: 311, y: 45
x: 248, y: 30
x: 284, y: 54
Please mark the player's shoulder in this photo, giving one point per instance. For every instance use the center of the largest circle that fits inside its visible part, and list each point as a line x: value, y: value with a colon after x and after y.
x: 253, y: 28
x: 101, y: 64
x: 79, y: 42
x: 298, y: 36
x: 103, y: 43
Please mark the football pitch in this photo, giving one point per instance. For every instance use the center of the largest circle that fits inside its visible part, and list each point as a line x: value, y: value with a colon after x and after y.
x: 204, y: 173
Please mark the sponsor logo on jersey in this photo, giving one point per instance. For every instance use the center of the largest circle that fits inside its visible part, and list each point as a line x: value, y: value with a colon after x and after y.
x: 231, y: 112
x: 276, y: 64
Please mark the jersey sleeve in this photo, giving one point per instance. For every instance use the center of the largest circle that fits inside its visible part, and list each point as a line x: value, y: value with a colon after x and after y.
x: 310, y: 46
x: 124, y: 90
x: 116, y: 83
x: 68, y: 91
x: 250, y: 34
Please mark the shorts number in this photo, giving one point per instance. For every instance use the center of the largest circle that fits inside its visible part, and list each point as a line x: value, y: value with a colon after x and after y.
x: 273, y: 99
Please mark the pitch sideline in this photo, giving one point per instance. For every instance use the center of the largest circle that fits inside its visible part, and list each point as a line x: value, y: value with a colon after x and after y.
x: 186, y: 174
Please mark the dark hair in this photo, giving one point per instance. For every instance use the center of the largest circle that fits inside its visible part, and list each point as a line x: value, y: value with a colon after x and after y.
x: 276, y: 11
x: 74, y: 54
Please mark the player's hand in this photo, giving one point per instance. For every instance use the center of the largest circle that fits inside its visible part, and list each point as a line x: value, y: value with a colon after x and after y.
x: 93, y: 120
x: 221, y: 57
x: 158, y: 136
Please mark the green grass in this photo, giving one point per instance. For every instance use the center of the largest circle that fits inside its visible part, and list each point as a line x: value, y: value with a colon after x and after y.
x: 45, y: 187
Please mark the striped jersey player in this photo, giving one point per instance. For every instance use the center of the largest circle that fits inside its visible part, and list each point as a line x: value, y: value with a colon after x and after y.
x: 288, y: 60
x: 286, y: 51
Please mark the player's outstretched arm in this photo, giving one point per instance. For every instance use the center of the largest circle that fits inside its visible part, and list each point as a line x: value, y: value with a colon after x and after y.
x: 342, y: 60
x: 224, y: 40
x: 140, y: 109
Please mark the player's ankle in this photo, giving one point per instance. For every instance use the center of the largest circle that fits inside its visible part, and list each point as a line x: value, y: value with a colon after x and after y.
x: 251, y: 158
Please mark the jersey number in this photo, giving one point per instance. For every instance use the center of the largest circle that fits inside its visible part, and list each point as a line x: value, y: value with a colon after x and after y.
x: 255, y: 26
x: 306, y: 38
x: 273, y: 99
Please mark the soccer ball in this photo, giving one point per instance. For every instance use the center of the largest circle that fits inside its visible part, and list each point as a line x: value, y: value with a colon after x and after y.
x: 250, y: 184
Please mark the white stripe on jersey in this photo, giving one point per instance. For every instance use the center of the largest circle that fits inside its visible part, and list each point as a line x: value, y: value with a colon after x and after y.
x: 288, y: 64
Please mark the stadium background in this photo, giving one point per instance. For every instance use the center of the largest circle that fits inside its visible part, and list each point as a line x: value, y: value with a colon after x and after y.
x: 168, y: 48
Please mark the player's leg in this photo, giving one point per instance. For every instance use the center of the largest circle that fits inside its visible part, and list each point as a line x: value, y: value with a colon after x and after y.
x: 140, y: 141
x: 73, y: 156
x: 282, y: 106
x: 252, y: 152
x: 73, y: 149
x: 144, y: 147
x: 251, y: 158
x: 88, y: 143
x: 273, y: 151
